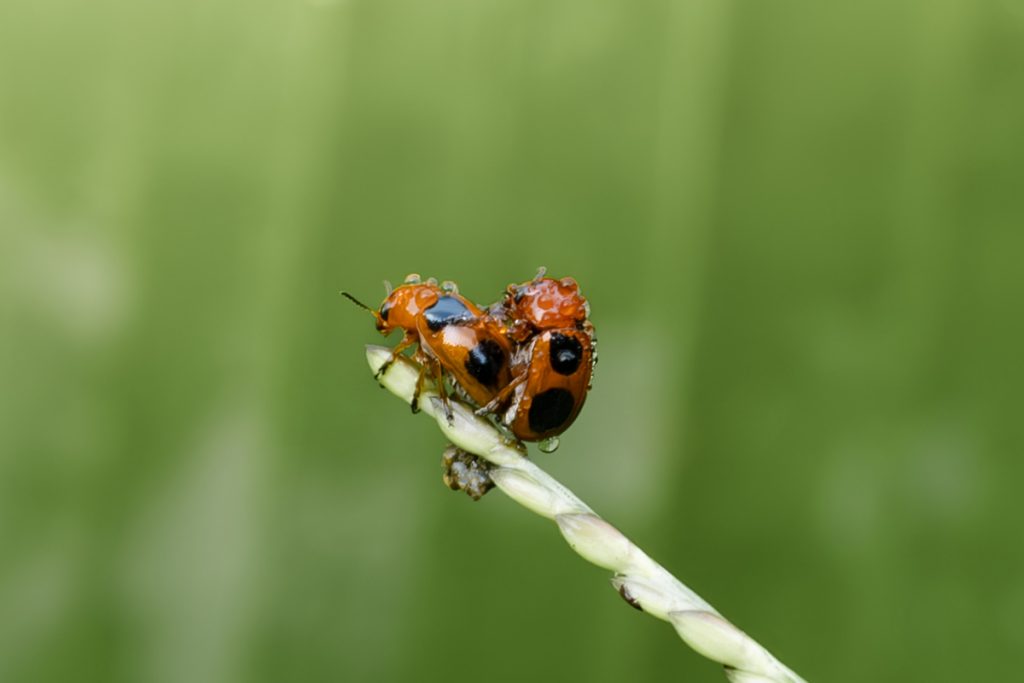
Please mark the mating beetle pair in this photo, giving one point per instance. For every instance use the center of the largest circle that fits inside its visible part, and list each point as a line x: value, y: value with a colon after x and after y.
x: 527, y: 359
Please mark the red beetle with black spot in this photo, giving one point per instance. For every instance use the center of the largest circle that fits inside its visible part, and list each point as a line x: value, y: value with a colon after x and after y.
x: 553, y: 363
x: 452, y: 335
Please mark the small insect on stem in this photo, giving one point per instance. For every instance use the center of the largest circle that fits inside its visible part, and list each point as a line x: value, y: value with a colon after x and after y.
x: 451, y: 336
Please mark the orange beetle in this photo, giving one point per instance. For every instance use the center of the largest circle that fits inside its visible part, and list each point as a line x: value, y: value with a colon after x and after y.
x: 452, y: 335
x: 553, y: 374
x: 552, y: 366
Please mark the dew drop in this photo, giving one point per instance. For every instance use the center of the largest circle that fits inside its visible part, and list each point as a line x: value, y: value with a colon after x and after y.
x: 549, y: 445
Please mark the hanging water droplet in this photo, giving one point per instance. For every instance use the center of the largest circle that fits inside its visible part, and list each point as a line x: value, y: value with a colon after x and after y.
x: 548, y: 445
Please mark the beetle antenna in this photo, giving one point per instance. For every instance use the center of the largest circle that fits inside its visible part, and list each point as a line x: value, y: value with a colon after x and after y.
x: 358, y: 303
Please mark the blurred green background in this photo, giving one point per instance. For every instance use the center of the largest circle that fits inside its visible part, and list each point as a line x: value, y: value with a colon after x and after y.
x: 799, y: 225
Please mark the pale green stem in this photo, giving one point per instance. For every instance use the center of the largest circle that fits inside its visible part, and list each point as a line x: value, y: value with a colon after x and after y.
x: 638, y: 578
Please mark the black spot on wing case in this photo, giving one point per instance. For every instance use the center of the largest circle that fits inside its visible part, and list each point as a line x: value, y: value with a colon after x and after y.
x: 446, y: 311
x: 550, y: 409
x: 566, y: 354
x: 485, y: 362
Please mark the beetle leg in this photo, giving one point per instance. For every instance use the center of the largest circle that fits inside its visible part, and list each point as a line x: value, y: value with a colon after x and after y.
x: 415, y: 404
x: 424, y: 361
x: 502, y: 397
x: 427, y: 362
x: 408, y: 340
x: 442, y: 394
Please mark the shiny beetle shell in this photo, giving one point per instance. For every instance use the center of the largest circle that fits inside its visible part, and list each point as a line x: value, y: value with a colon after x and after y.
x: 453, y: 336
x: 556, y: 366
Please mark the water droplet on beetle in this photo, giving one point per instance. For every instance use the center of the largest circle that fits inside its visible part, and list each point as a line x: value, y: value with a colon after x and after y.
x: 549, y: 445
